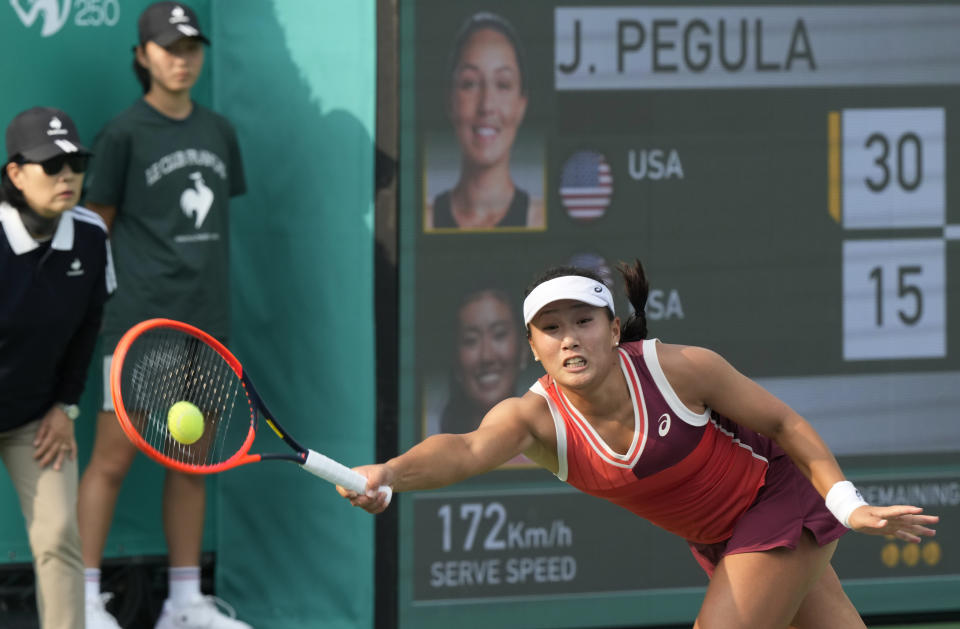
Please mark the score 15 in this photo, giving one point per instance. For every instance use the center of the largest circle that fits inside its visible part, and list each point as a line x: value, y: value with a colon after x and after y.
x: 887, y: 170
x: 894, y: 302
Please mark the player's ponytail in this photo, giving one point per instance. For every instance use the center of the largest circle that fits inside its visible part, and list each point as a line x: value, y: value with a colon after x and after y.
x: 637, y: 288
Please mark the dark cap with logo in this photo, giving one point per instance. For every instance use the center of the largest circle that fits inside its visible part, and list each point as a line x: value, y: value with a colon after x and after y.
x: 165, y: 22
x: 40, y: 133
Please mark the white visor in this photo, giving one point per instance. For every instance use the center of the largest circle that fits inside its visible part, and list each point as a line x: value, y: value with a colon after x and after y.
x: 574, y: 287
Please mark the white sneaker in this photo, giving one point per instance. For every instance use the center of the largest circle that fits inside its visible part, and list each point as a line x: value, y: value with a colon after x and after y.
x: 97, y: 615
x: 199, y: 613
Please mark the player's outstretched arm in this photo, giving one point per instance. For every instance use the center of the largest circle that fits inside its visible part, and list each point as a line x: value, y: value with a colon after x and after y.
x: 445, y: 459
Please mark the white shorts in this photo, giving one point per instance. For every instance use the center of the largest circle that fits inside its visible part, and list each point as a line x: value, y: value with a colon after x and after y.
x: 107, y: 397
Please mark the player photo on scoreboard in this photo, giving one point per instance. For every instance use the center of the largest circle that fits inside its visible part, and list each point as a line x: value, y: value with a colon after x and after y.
x: 488, y: 361
x: 482, y: 158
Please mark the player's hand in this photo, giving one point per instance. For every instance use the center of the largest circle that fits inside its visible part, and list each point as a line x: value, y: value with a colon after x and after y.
x: 901, y: 521
x: 54, y: 441
x: 373, y: 501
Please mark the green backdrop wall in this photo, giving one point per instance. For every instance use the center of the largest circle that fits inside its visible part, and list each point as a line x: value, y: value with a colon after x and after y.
x: 298, y: 81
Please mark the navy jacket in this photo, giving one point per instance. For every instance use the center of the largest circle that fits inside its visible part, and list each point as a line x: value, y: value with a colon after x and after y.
x: 51, y: 302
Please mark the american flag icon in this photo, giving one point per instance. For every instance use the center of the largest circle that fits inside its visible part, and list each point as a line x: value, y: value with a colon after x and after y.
x: 586, y: 185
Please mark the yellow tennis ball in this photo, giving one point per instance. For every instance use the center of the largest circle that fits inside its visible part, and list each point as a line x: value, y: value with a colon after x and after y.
x: 185, y: 422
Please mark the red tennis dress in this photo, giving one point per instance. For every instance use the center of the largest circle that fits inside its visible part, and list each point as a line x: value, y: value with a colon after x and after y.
x: 722, y: 487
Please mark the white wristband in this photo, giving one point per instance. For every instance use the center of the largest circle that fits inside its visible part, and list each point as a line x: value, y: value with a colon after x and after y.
x: 842, y: 499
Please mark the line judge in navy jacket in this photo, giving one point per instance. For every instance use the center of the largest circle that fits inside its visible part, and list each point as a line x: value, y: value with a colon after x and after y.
x: 55, y: 274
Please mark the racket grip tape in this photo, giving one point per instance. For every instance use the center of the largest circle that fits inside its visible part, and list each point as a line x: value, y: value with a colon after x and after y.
x: 338, y: 474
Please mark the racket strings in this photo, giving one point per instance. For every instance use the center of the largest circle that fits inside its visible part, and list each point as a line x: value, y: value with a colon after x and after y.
x: 166, y: 366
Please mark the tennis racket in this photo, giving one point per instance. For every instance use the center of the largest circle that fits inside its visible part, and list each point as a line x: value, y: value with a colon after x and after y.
x: 160, y: 362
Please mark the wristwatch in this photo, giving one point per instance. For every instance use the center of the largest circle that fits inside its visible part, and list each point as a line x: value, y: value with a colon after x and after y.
x: 72, y: 410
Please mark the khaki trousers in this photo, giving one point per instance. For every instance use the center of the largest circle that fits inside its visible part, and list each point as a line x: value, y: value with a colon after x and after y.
x: 48, y: 499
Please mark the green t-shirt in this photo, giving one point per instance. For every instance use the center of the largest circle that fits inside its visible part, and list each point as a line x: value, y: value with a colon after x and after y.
x: 170, y: 181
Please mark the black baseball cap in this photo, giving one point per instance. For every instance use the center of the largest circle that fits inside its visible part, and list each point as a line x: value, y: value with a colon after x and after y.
x: 165, y: 22
x: 39, y: 133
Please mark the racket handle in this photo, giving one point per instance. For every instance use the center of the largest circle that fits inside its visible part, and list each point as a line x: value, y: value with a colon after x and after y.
x: 338, y: 474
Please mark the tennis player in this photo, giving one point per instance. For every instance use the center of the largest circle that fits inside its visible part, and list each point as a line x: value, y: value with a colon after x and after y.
x: 678, y: 436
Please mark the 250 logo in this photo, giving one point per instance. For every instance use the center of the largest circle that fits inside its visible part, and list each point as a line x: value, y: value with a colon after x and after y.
x: 56, y: 13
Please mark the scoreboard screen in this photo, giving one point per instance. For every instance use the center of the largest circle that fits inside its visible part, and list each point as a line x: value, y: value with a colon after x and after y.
x: 789, y: 176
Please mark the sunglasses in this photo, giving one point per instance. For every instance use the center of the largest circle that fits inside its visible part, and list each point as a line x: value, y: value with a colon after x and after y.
x: 77, y: 163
